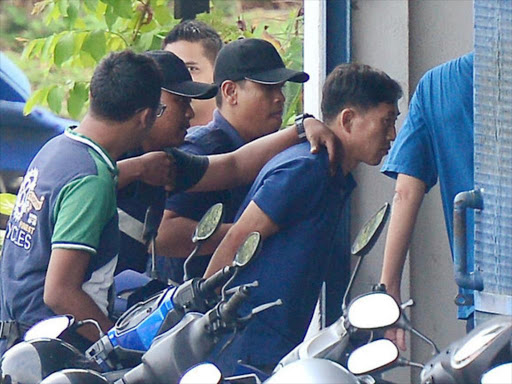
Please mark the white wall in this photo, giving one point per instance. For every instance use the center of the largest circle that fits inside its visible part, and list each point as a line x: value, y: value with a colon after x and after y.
x: 406, y: 38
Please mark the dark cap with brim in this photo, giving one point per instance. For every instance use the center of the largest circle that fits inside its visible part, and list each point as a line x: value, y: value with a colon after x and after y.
x: 177, y: 79
x: 255, y: 60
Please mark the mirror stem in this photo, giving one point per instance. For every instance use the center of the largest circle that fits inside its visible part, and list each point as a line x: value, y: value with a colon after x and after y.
x: 349, y: 286
x: 186, y: 275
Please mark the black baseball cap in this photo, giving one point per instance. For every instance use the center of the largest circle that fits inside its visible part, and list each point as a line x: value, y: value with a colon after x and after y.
x: 177, y: 79
x: 256, y: 60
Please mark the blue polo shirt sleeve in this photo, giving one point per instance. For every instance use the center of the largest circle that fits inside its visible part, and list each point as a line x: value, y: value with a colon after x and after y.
x: 412, y: 152
x: 289, y: 192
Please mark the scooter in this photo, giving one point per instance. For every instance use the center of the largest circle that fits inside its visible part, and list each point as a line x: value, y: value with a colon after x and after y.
x: 468, y: 360
x: 371, y: 311
x: 135, y: 330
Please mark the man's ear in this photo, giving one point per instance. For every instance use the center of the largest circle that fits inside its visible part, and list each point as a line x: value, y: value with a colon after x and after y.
x: 345, y: 119
x: 147, y: 118
x: 229, y: 92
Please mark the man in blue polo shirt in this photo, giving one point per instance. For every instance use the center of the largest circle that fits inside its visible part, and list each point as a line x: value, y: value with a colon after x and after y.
x: 296, y: 207
x: 61, y: 241
x: 435, y: 142
x: 248, y: 107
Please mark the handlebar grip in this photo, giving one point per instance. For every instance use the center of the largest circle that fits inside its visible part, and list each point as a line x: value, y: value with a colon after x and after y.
x: 218, y: 279
x: 228, y: 311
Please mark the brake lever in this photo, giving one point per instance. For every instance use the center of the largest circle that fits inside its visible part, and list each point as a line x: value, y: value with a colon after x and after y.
x: 407, y: 304
x: 260, y: 308
x: 254, y: 284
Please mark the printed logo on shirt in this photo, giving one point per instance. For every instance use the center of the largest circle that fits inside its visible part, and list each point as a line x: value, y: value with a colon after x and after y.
x: 20, y: 231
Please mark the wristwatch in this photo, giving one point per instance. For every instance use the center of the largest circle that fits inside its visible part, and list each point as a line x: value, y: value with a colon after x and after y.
x: 299, y: 124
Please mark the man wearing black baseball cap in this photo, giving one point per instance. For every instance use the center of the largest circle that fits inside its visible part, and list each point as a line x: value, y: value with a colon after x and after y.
x: 255, y: 60
x: 146, y: 169
x: 250, y: 75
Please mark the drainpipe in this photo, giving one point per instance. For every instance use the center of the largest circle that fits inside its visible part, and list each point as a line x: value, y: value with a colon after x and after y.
x: 473, y: 280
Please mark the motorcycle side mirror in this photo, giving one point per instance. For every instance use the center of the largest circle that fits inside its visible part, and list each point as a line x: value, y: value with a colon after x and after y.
x: 502, y: 374
x: 374, y: 356
x: 206, y: 227
x: 364, y: 241
x: 245, y: 253
x: 247, y: 250
x: 209, y: 223
x: 373, y: 310
x: 370, y: 232
x: 206, y: 373
x: 50, y: 328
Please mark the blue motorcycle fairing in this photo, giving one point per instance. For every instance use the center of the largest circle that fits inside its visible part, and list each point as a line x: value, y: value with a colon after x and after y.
x: 137, y: 327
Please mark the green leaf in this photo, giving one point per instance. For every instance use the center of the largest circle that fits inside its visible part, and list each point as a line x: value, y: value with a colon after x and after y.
x: 162, y: 15
x: 110, y: 17
x: 87, y: 60
x: 91, y: 5
x: 79, y: 24
x: 116, y: 43
x: 36, y: 98
x: 7, y: 202
x: 95, y: 44
x: 28, y: 49
x: 123, y: 8
x: 72, y: 12
x: 77, y: 99
x: 64, y: 48
x: 63, y: 6
x: 53, y: 15
x: 55, y: 96
x: 145, y: 41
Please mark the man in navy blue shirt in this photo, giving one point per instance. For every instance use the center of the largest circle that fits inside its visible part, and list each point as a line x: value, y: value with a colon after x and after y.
x: 249, y: 106
x: 435, y: 142
x: 296, y: 206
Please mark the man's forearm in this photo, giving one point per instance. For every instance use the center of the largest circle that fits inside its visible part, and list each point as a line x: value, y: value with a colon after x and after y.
x: 240, y: 167
x: 175, y: 237
x: 82, y: 307
x: 408, y: 197
x: 129, y: 171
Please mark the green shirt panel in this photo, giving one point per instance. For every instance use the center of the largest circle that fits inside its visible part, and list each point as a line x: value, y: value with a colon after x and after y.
x: 82, y: 210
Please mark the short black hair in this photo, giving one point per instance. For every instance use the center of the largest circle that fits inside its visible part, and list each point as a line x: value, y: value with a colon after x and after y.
x: 196, y: 31
x: 357, y: 85
x: 124, y: 83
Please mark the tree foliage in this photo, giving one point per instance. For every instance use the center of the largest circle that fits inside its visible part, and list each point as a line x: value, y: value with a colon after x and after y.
x: 93, y: 28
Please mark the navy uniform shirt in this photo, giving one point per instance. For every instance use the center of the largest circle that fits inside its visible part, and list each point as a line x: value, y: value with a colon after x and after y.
x: 215, y: 138
x: 296, y: 191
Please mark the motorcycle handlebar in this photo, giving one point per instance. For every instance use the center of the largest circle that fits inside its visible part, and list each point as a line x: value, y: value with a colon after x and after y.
x: 215, y: 281
x: 228, y: 310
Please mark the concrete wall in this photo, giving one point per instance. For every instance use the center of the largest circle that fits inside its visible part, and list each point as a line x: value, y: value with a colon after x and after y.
x: 406, y: 38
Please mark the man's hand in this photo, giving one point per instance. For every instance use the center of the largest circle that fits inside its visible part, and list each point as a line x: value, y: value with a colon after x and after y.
x: 318, y: 136
x: 157, y: 168
x: 396, y: 335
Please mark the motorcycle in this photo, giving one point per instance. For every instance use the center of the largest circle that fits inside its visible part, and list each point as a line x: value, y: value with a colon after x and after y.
x: 319, y: 358
x: 471, y: 358
x: 371, y: 311
x: 192, y: 339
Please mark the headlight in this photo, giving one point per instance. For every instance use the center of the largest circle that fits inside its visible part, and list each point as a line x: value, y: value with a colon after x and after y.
x: 470, y: 350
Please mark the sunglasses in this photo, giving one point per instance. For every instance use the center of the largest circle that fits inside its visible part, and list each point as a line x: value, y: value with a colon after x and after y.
x: 160, y: 109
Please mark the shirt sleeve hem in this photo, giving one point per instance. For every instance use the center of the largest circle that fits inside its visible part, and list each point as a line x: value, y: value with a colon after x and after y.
x: 74, y: 246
